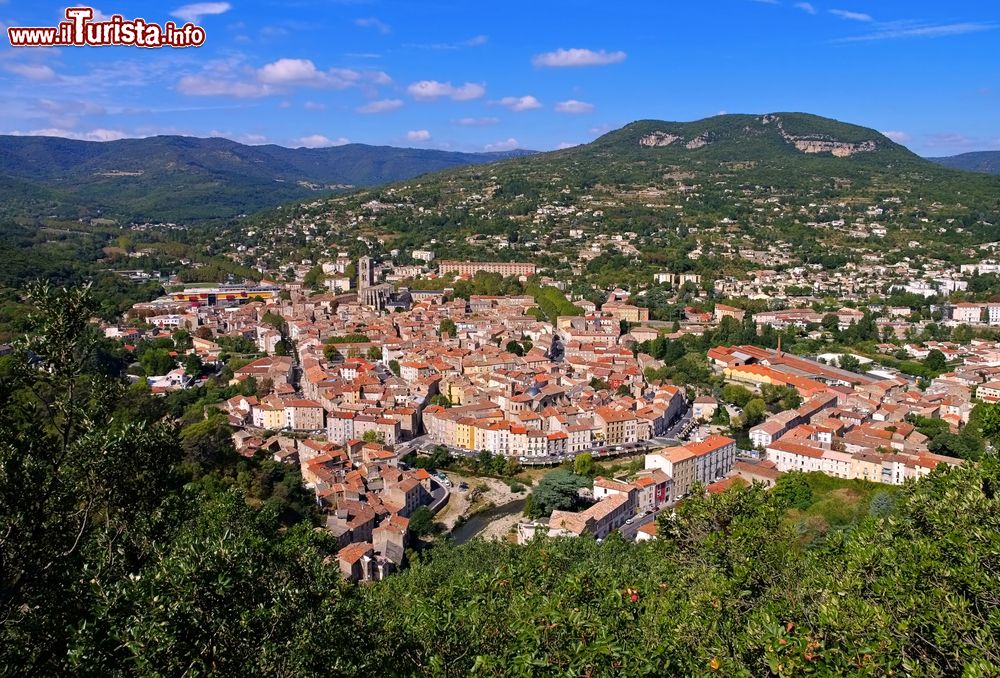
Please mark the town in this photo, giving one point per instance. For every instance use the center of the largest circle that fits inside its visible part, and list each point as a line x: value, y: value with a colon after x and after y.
x: 362, y: 368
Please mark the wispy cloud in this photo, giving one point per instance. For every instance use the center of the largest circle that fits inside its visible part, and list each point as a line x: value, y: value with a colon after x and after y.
x: 429, y: 90
x: 508, y: 144
x: 518, y: 104
x: 474, y: 41
x: 99, y: 134
x: 574, y: 106
x: 374, y: 22
x: 229, y: 79
x: 568, y: 58
x: 197, y: 10
x: 380, y: 106
x: 806, y: 7
x: 418, y: 135
x: 897, y: 30
x: 852, y: 16
x: 320, y: 141
x: 31, y: 71
x: 476, y: 122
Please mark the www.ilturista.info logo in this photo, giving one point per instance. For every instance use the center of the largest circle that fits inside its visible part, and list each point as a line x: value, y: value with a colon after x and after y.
x: 80, y: 30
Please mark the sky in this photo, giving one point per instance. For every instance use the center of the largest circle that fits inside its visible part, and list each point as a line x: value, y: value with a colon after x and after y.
x: 471, y: 75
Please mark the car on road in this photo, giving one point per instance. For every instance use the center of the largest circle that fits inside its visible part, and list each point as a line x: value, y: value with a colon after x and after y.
x: 630, y: 521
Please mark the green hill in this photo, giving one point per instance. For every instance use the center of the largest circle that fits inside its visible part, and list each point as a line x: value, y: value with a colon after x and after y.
x: 980, y: 161
x: 175, y: 178
x: 792, y: 187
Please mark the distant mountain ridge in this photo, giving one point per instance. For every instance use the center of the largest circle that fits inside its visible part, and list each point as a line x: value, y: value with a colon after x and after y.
x: 986, y: 162
x: 178, y: 178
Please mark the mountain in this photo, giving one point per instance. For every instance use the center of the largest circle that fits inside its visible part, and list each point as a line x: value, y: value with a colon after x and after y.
x: 720, y: 196
x: 177, y: 178
x: 987, y: 162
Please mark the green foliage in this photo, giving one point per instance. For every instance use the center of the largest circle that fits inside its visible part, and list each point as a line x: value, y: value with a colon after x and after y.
x: 157, y: 361
x: 906, y: 595
x: 448, y: 326
x: 935, y: 361
x: 422, y: 522
x: 792, y: 490
x: 849, y: 362
x: 556, y: 491
x: 754, y: 413
x: 209, y: 441
x: 583, y: 465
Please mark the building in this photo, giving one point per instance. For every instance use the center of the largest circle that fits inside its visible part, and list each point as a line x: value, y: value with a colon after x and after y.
x: 703, y: 462
x: 504, y: 268
x: 304, y: 415
x: 225, y: 295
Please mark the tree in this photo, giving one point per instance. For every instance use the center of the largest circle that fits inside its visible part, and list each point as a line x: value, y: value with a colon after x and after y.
x: 208, y: 442
x: 599, y: 384
x: 583, y: 464
x: 441, y: 400
x: 374, y: 353
x: 447, y: 326
x: 157, y: 361
x: 754, y: 412
x: 314, y: 278
x: 182, y: 340
x: 193, y: 365
x: 422, y: 522
x: 736, y: 394
x: 557, y: 491
x: 792, y: 490
x: 849, y: 362
x: 935, y: 361
x: 515, y: 348
x: 83, y: 492
x: 394, y: 367
x: 374, y: 437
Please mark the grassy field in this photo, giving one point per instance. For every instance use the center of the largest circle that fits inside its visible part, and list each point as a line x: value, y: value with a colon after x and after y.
x: 837, y: 504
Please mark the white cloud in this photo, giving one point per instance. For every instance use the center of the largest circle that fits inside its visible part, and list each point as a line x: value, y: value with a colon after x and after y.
x: 574, y: 106
x: 898, y: 137
x: 314, y: 106
x: 476, y: 122
x: 429, y: 90
x: 475, y: 41
x: 226, y: 79
x: 247, y: 138
x: 380, y: 106
x: 31, y: 71
x: 851, y: 16
x: 99, y: 134
x: 566, y: 144
x: 506, y: 145
x: 195, y: 11
x: 806, y: 7
x: 209, y: 86
x: 373, y: 22
x: 525, y: 103
x: 320, y: 141
x: 562, y: 58
x: 896, y: 30
x: 418, y: 135
x: 304, y: 72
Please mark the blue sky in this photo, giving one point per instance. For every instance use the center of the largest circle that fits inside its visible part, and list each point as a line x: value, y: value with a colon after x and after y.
x: 467, y: 75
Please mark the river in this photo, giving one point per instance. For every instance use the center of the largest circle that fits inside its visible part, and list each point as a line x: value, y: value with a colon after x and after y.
x: 482, y: 520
